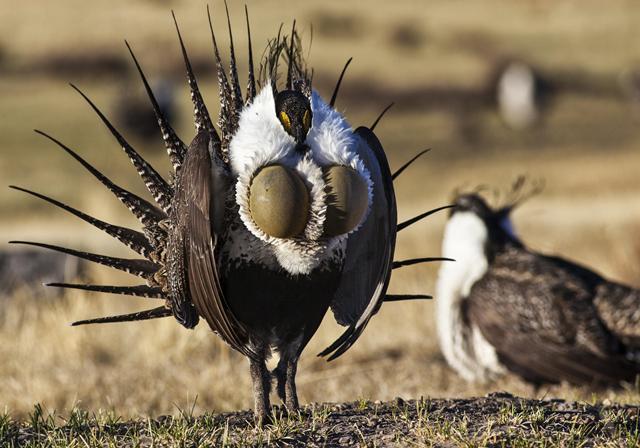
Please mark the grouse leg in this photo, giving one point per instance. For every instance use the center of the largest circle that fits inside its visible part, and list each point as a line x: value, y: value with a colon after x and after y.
x: 285, y: 374
x: 261, y: 387
x: 291, y: 394
x: 280, y: 374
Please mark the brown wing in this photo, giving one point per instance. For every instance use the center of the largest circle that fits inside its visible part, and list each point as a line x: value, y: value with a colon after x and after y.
x: 198, y: 187
x: 369, y: 253
x: 538, y: 313
x: 619, y: 308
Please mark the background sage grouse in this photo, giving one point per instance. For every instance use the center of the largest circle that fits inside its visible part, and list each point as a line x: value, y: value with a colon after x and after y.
x: 504, y: 307
x: 281, y: 213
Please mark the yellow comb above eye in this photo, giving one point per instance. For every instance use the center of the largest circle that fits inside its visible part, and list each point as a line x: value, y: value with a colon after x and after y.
x: 286, y: 122
x: 306, y: 120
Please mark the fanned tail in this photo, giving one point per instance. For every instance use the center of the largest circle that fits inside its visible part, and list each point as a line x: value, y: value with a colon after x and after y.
x: 201, y: 114
x: 149, y: 215
x: 175, y: 147
x: 412, y: 261
x: 226, y: 118
x: 161, y: 191
x: 154, y: 313
x: 140, y: 267
x: 155, y: 216
x: 131, y: 238
x: 337, y: 87
x: 149, y: 292
x: 236, y: 93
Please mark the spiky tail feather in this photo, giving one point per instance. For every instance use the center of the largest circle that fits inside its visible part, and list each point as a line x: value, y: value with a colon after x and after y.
x: 151, y: 243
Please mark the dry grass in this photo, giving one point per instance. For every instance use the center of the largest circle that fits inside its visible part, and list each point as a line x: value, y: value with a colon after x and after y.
x: 498, y: 420
x: 587, y: 153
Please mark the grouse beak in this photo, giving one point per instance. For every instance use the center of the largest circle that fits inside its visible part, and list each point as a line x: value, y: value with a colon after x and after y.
x: 302, y: 148
x: 299, y: 134
x: 505, y: 211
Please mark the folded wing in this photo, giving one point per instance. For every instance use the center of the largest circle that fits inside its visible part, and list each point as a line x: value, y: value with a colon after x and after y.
x: 197, y: 282
x: 538, y: 314
x: 369, y: 253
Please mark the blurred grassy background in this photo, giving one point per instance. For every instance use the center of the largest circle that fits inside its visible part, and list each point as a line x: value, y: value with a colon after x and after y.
x: 434, y: 59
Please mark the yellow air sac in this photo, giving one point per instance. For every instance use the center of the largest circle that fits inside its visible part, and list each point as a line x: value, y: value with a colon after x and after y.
x: 279, y: 201
x: 347, y: 199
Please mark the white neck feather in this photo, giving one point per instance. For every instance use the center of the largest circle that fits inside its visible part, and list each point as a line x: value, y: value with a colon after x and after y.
x: 261, y: 140
x: 465, y: 238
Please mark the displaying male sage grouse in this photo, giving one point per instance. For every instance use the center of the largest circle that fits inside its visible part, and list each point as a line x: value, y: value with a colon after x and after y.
x: 504, y: 307
x: 281, y: 213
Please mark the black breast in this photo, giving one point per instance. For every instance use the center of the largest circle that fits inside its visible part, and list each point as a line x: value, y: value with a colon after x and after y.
x: 275, y: 303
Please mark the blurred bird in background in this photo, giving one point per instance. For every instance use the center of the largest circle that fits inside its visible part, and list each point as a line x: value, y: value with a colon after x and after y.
x: 503, y: 307
x: 521, y: 94
x: 134, y: 115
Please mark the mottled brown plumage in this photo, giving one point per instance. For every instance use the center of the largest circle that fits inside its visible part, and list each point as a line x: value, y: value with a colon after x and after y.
x: 547, y: 319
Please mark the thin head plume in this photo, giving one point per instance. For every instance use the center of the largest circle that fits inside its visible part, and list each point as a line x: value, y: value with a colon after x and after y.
x: 522, y: 189
x: 291, y: 62
x: 412, y: 261
x: 236, y: 93
x: 337, y: 87
x: 377, y: 120
x: 154, y: 313
x: 269, y: 61
x: 175, y: 147
x: 480, y: 189
x: 161, y: 191
x: 251, y: 83
x: 310, y: 40
x: 408, y: 222
x: 409, y: 162
x: 148, y: 214
x: 131, y: 238
x: 274, y: 67
x: 200, y: 112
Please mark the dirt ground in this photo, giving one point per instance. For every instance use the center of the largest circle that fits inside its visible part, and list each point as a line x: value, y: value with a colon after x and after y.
x: 499, y: 419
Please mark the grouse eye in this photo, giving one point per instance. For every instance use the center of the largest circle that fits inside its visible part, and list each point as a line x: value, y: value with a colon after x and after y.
x: 306, y: 120
x: 347, y: 199
x: 285, y: 120
x: 279, y: 201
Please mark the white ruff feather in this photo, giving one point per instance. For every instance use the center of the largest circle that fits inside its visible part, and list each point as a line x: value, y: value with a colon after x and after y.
x: 333, y: 142
x: 464, y: 347
x: 260, y: 141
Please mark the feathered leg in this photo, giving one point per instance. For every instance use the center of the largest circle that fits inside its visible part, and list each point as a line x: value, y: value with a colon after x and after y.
x: 285, y: 374
x: 261, y: 379
x: 291, y: 394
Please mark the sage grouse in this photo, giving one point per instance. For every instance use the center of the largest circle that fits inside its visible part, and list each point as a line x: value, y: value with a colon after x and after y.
x: 503, y: 307
x: 279, y: 214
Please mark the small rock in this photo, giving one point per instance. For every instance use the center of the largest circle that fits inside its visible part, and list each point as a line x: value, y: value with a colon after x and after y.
x: 500, y: 394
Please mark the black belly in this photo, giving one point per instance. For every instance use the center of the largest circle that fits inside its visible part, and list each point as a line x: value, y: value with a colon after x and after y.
x: 274, y: 303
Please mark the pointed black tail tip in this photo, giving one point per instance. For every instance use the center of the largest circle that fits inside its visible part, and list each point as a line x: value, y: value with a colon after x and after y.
x: 324, y: 352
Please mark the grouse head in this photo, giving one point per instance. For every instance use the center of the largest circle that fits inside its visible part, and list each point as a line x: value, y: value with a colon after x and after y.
x: 302, y: 187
